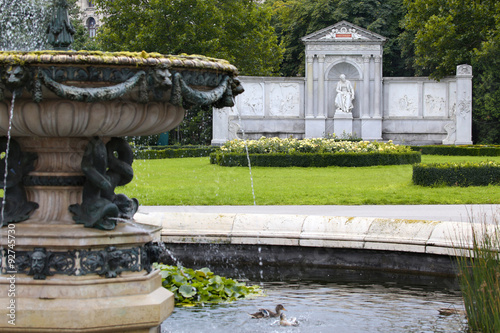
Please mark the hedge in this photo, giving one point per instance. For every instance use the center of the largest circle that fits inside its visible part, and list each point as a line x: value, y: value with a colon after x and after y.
x: 315, y: 159
x: 465, y: 150
x: 151, y: 153
x: 456, y: 174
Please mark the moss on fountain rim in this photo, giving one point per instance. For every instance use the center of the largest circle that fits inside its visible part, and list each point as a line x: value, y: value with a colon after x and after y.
x: 138, y: 59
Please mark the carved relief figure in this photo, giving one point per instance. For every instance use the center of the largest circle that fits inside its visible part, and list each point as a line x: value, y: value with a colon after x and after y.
x: 345, y: 95
x: 16, y: 208
x: 39, y: 264
x: 105, y: 167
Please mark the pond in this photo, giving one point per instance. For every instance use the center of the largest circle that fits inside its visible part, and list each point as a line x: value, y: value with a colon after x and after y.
x: 340, y: 307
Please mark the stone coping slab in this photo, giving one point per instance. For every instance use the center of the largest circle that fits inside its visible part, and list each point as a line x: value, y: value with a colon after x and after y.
x: 384, y: 234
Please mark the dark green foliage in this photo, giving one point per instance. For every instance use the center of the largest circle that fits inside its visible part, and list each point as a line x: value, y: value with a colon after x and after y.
x: 441, y: 34
x: 315, y: 160
x: 465, y: 150
x: 145, y: 140
x: 195, y: 129
x: 294, y: 19
x: 237, y: 30
x: 453, y: 174
x: 161, y: 152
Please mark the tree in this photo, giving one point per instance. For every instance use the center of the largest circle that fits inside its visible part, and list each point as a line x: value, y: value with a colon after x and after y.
x: 445, y: 33
x: 294, y: 19
x: 237, y: 30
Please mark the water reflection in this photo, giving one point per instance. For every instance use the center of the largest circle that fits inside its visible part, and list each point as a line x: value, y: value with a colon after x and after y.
x: 330, y: 307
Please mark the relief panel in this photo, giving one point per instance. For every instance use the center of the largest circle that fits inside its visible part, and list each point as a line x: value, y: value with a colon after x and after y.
x: 252, y: 100
x: 403, y: 100
x: 435, y: 100
x: 284, y: 99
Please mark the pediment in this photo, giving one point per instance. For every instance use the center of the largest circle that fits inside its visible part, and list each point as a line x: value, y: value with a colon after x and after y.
x: 343, y: 32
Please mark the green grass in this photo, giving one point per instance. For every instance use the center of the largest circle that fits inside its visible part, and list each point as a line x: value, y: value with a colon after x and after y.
x: 194, y: 181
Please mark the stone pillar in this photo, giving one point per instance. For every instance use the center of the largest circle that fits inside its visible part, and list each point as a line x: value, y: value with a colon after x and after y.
x: 365, y: 108
x: 315, y: 125
x: 220, y: 126
x: 371, y: 120
x: 321, y: 86
x: 378, y: 87
x: 463, y: 114
x: 310, y: 86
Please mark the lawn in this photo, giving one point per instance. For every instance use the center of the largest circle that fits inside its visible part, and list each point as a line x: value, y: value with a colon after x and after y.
x: 194, y: 181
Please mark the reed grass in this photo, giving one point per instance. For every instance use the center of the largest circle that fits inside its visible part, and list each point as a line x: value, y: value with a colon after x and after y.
x: 479, y: 278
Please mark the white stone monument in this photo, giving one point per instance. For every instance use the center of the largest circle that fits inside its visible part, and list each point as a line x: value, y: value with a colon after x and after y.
x: 356, y: 53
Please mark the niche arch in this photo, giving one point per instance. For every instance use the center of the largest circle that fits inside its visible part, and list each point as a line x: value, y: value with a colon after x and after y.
x: 352, y: 73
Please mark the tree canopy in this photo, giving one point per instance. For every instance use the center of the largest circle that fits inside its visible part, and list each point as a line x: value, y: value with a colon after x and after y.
x: 236, y: 30
x: 294, y: 19
x: 441, y: 34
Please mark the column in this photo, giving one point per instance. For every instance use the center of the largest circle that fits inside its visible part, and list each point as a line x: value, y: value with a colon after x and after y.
x: 378, y: 87
x: 310, y: 86
x: 365, y: 108
x: 463, y: 114
x: 321, y: 86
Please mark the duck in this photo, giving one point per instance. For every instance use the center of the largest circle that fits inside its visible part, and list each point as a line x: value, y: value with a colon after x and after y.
x: 450, y: 311
x: 288, y: 322
x: 265, y: 313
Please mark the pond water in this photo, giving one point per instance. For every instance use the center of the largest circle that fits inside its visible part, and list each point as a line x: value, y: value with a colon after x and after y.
x: 330, y: 308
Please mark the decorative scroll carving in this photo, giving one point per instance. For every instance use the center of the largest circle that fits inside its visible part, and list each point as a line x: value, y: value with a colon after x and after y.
x: 108, y: 262
x: 100, y: 207
x: 17, y: 208
x: 158, y: 81
x: 92, y: 94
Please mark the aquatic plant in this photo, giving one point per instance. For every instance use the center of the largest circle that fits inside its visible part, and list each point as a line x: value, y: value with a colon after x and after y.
x: 479, y: 277
x: 201, y: 286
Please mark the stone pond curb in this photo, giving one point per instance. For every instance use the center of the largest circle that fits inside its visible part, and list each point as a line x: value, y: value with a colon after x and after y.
x: 382, y: 234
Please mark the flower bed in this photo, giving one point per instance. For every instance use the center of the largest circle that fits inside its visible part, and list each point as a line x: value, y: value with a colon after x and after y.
x: 277, y: 152
x: 457, y: 174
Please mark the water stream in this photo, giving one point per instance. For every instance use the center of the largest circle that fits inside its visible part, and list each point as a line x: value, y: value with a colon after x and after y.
x: 248, y: 155
x: 6, y: 156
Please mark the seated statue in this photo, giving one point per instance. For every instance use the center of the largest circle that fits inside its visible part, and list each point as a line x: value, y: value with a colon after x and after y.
x: 345, y: 95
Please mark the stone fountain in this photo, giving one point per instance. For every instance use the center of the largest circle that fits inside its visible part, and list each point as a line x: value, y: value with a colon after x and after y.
x: 72, y: 257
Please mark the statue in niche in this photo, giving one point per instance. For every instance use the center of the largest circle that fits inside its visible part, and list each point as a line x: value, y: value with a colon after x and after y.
x: 15, y: 207
x: 345, y: 95
x: 105, y: 168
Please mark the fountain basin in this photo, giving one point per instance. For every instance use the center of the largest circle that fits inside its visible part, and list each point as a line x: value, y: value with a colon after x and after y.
x: 418, y: 247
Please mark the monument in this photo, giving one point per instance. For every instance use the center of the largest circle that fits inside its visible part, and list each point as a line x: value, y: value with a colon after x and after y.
x: 410, y: 110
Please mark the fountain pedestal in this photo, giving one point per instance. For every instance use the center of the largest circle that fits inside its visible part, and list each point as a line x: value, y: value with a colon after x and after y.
x: 76, y: 296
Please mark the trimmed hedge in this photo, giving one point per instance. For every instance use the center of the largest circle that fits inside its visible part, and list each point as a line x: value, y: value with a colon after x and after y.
x: 315, y: 160
x: 454, y: 174
x: 465, y: 150
x: 161, y: 152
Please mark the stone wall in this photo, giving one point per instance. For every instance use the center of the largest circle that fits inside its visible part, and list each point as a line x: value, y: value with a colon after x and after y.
x: 415, y: 110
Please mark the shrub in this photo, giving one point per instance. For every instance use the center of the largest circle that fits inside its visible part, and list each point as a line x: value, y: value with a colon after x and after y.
x: 457, y: 174
x: 161, y: 152
x: 466, y: 150
x: 315, y: 159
